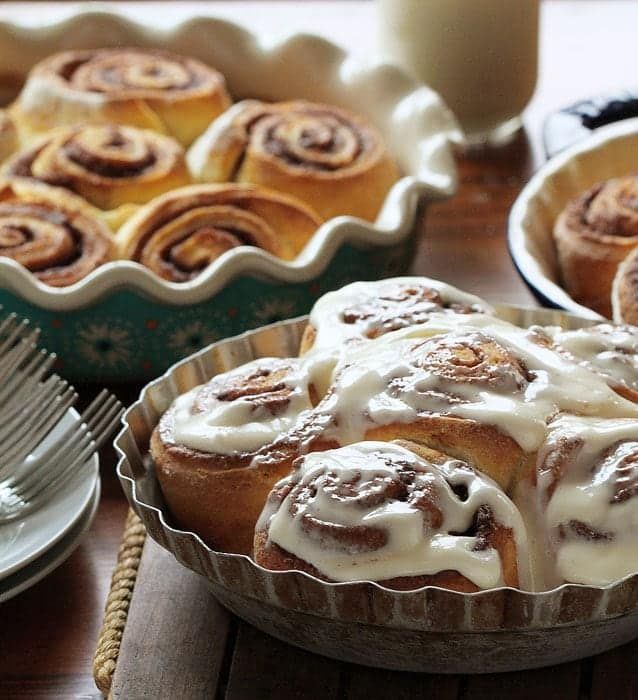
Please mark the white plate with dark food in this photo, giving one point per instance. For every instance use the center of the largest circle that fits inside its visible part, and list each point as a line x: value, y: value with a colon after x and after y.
x: 23, y: 541
x: 575, y: 222
x: 389, y: 482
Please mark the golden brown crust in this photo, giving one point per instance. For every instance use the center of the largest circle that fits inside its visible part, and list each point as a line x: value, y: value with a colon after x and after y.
x: 8, y: 135
x: 593, y: 236
x: 328, y: 157
x: 109, y: 165
x: 179, y: 234
x: 54, y: 234
x: 141, y: 87
x: 625, y: 291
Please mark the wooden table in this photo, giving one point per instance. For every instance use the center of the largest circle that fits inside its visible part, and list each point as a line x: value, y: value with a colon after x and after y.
x: 48, y: 634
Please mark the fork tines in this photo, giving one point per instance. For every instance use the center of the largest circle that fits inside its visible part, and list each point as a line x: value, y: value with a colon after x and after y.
x: 33, y: 485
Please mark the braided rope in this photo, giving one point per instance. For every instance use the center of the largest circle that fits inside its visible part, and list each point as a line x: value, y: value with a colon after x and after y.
x: 118, y: 601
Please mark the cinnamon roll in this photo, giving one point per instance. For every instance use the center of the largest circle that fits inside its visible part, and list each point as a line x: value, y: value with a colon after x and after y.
x: 8, y: 136
x: 587, y: 481
x: 593, y: 236
x: 330, y: 158
x: 146, y: 88
x: 367, y: 310
x: 377, y: 511
x: 608, y: 350
x: 54, y: 234
x: 481, y: 391
x: 179, y: 234
x: 205, y: 445
x: 109, y: 165
x: 625, y: 290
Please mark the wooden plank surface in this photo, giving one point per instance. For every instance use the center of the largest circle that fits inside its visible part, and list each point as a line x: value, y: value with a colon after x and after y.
x: 47, y: 634
x: 176, y: 634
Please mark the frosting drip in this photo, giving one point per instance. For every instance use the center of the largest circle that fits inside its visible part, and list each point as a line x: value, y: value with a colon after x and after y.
x: 588, y: 474
x: 481, y: 369
x: 376, y: 511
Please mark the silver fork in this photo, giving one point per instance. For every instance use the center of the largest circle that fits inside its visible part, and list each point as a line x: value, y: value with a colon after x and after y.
x: 38, y: 478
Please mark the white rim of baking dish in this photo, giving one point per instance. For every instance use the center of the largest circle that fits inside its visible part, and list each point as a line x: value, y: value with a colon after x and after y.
x: 526, y: 262
x: 434, y: 127
x: 547, y: 603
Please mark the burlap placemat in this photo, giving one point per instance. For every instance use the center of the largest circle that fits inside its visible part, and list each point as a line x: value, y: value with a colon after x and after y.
x: 118, y: 601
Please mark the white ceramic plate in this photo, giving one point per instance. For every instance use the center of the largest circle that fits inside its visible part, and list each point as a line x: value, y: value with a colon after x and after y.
x: 32, y: 573
x: 612, y: 151
x: 23, y: 541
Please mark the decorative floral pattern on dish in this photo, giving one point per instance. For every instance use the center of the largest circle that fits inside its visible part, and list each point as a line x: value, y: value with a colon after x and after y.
x: 105, y: 345
x: 192, y: 336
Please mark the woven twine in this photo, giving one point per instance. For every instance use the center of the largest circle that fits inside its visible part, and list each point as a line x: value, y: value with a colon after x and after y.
x: 118, y: 601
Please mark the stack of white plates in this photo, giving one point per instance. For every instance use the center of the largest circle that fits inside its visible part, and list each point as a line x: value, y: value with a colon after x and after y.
x: 32, y: 547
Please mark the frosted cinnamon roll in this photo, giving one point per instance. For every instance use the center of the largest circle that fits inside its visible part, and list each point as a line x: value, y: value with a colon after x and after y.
x: 367, y: 310
x: 625, y: 290
x: 205, y: 445
x: 480, y: 391
x: 587, y: 480
x: 109, y: 165
x: 593, y: 236
x: 8, y: 136
x: 606, y: 349
x: 377, y: 511
x: 141, y: 87
x: 179, y: 234
x: 330, y: 158
x: 54, y: 234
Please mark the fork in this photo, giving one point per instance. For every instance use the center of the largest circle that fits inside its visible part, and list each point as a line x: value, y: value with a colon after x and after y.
x: 35, y: 480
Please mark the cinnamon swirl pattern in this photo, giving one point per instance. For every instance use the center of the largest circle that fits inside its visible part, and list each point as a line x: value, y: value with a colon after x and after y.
x: 366, y: 310
x: 325, y: 156
x: 593, y: 235
x: 376, y: 511
x: 179, y: 234
x: 52, y: 233
x: 625, y: 291
x: 473, y: 400
x: 588, y: 492
x: 141, y: 87
x: 109, y: 165
x: 205, y: 444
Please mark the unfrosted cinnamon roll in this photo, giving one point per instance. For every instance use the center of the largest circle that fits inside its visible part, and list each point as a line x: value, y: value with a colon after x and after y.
x: 179, y: 234
x: 587, y: 481
x: 593, y: 236
x: 205, y: 446
x: 8, y: 136
x: 377, y: 511
x: 367, y: 310
x: 330, y: 158
x: 141, y: 87
x: 625, y: 290
x: 111, y: 166
x: 54, y: 234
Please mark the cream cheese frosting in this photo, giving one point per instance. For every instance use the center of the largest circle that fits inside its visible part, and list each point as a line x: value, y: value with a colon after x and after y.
x: 389, y: 380
x: 355, y: 487
x: 591, y: 515
x: 365, y: 310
